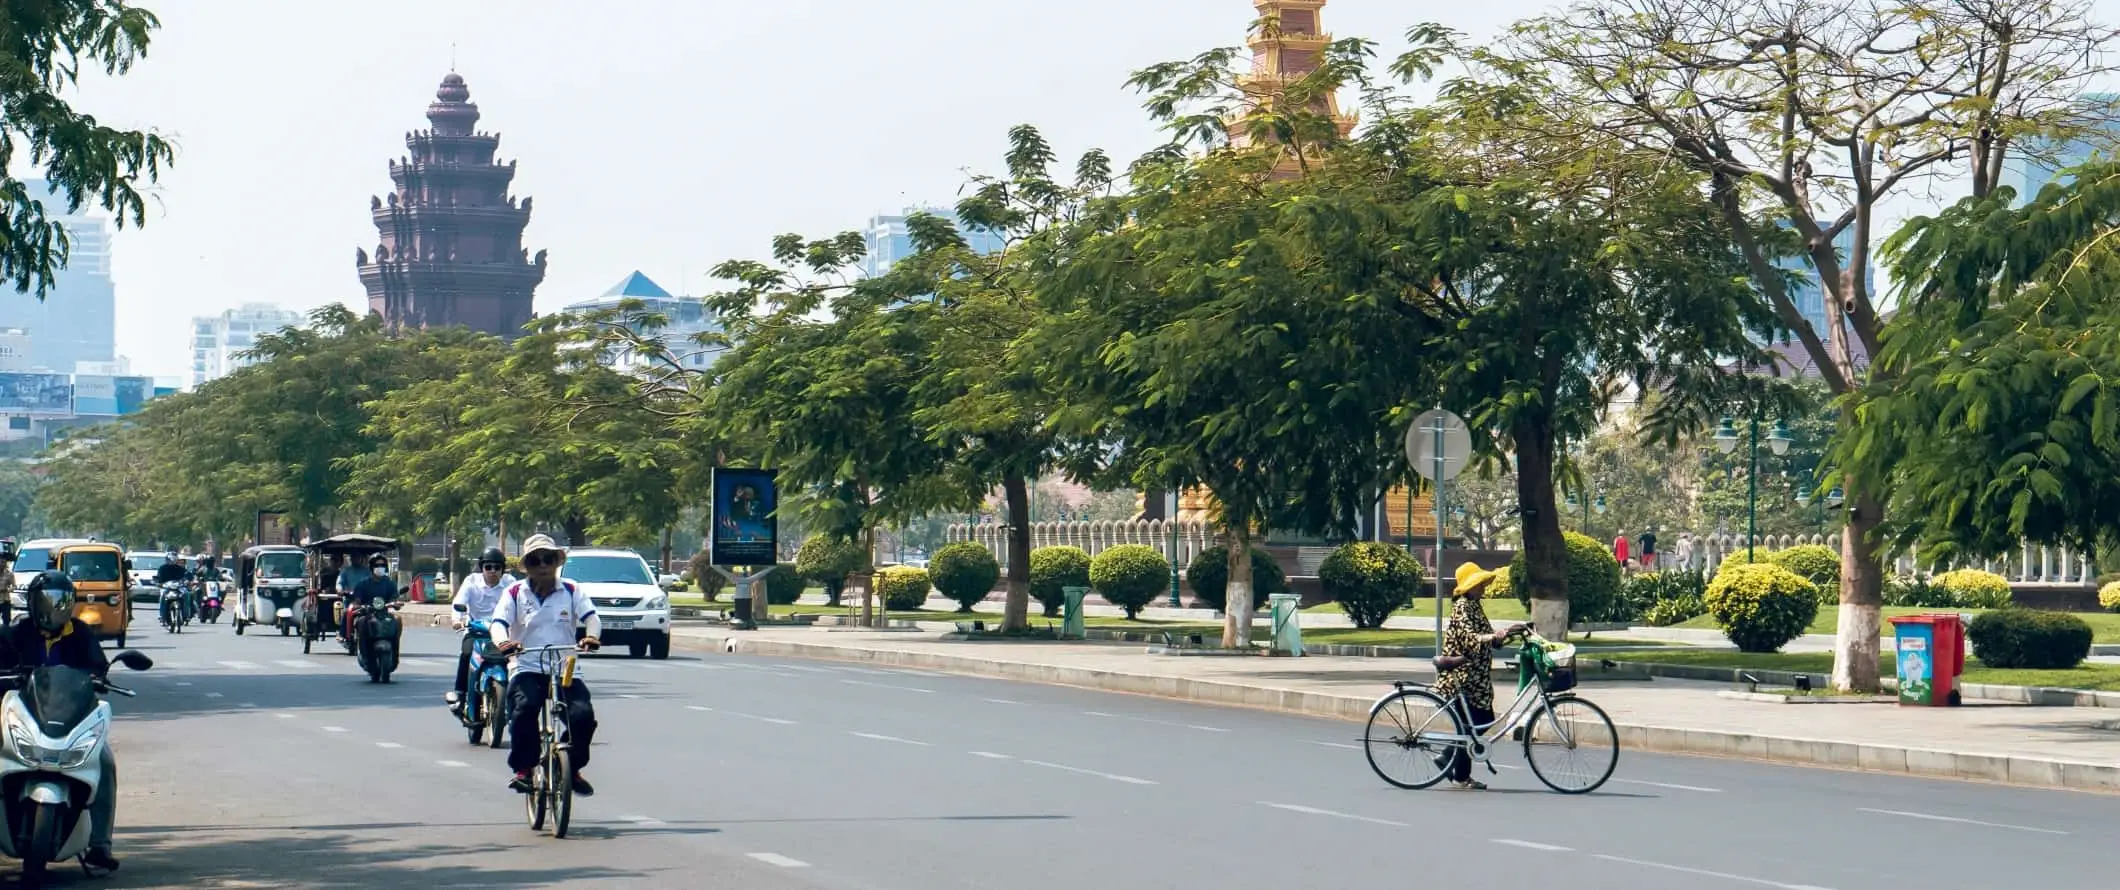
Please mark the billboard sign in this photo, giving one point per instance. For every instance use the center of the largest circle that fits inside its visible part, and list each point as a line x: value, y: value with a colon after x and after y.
x: 36, y: 393
x: 95, y: 394
x: 746, y: 532
x: 131, y: 392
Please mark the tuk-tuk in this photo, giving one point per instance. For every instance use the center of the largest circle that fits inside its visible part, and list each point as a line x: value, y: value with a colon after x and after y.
x: 271, y: 583
x: 102, y: 586
x: 324, y: 610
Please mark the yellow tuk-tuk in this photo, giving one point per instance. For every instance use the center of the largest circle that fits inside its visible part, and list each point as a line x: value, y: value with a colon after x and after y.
x: 101, y: 586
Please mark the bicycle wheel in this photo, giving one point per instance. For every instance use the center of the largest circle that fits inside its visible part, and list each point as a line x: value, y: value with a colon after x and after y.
x: 540, y: 792
x: 1401, y: 733
x: 561, y: 774
x: 1571, y: 745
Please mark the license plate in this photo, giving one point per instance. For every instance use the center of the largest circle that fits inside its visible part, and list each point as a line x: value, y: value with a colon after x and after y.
x: 618, y: 624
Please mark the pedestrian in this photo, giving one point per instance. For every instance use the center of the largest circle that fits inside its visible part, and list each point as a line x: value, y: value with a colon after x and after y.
x: 1685, y: 551
x: 1647, y: 543
x: 1619, y: 548
x: 1466, y: 661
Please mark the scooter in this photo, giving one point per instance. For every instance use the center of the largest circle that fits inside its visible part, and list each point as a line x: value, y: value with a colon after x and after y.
x: 210, y: 603
x: 173, y: 607
x: 478, y: 705
x: 377, y: 632
x: 55, y: 730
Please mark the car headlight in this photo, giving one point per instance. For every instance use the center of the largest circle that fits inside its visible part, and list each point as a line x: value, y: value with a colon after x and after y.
x: 657, y: 601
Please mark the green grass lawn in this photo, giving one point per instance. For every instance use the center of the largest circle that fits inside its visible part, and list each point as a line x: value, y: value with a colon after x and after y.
x: 2103, y: 677
x: 2105, y: 626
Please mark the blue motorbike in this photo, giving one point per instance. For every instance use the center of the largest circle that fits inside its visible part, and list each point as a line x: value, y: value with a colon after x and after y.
x: 479, y: 703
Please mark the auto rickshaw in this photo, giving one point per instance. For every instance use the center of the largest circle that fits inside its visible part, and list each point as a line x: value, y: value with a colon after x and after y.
x: 324, y: 610
x: 102, y: 586
x: 271, y: 584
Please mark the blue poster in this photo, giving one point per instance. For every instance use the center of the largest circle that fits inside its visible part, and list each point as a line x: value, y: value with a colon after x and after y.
x: 132, y: 392
x: 38, y: 393
x: 1917, y: 664
x: 746, y: 532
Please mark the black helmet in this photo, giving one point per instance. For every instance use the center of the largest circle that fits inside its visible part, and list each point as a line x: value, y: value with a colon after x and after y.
x: 51, y: 600
x: 493, y: 557
x: 379, y: 561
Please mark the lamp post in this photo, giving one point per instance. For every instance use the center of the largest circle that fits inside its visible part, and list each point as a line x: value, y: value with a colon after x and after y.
x: 1170, y: 521
x: 1778, y: 442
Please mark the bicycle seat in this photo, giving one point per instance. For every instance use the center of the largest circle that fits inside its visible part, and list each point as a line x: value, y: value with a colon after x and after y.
x: 1408, y: 684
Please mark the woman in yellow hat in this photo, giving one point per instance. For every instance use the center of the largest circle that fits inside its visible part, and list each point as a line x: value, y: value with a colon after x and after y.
x: 1465, y: 662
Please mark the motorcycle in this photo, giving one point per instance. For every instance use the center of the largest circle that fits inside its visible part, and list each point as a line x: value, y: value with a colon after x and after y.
x: 478, y: 705
x: 173, y: 607
x: 210, y: 604
x: 377, y: 631
x: 55, y: 730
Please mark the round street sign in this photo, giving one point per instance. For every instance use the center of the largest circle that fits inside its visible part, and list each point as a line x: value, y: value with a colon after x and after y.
x: 1424, y: 449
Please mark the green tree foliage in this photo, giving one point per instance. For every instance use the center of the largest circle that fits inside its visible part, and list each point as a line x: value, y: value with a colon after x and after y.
x: 1370, y: 580
x: 85, y: 161
x: 828, y: 561
x: 964, y: 572
x: 1208, y: 576
x: 1593, y: 579
x: 903, y: 588
x: 1761, y: 607
x: 18, y: 496
x: 1817, y: 564
x: 1129, y: 576
x: 1052, y: 570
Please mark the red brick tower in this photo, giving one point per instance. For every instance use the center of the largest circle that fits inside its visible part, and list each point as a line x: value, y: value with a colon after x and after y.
x: 451, y: 247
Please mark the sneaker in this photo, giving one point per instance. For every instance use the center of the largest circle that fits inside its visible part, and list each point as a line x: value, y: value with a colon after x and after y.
x: 99, y: 859
x: 582, y: 788
x: 1469, y: 785
x: 521, y: 782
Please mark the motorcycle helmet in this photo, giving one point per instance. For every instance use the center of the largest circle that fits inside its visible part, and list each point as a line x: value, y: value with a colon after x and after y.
x: 493, y: 557
x: 51, y: 600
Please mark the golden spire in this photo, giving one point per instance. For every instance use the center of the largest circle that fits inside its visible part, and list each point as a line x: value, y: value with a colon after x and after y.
x: 1287, y: 46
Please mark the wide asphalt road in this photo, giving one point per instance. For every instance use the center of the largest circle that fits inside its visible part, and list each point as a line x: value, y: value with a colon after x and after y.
x: 248, y: 764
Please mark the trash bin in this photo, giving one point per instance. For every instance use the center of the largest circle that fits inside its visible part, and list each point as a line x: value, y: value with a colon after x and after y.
x: 1931, y: 657
x: 1071, y: 612
x: 1286, y: 609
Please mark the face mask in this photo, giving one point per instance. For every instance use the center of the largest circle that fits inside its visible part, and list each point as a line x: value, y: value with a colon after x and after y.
x: 380, y: 571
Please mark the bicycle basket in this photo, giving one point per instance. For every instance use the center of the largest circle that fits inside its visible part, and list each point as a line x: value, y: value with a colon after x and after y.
x: 1554, y: 663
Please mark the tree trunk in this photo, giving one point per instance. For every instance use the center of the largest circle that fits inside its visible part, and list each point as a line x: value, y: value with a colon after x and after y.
x: 1545, y: 551
x: 577, y: 529
x: 1237, y: 611
x: 1015, y: 613
x: 832, y: 591
x: 1861, y: 595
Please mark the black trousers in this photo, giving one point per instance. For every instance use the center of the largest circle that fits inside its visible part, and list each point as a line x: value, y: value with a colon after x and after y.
x: 1460, y: 762
x: 526, y: 694
x: 463, y: 664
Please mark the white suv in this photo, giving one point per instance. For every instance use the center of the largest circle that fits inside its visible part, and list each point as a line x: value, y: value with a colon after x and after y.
x: 635, y: 611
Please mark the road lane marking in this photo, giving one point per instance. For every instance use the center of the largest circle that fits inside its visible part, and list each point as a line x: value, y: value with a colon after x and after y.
x: 888, y: 686
x: 704, y: 666
x: 627, y: 695
x: 293, y: 663
x: 1130, y: 780
x: 1682, y: 869
x: 238, y: 665
x: 779, y: 860
x: 390, y: 745
x: 334, y: 729
x: 184, y: 683
x: 284, y: 716
x: 888, y: 738
x: 452, y: 764
x: 1672, y: 785
x: 1004, y: 701
x: 248, y: 704
x: 743, y: 715
x: 1314, y: 811
x: 806, y: 669
x: 213, y: 695
x: 1157, y: 722
x: 1341, y: 745
x: 1934, y: 818
x: 991, y: 755
x: 1531, y: 845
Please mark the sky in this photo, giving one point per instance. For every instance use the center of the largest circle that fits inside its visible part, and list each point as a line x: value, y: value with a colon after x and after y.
x: 659, y: 135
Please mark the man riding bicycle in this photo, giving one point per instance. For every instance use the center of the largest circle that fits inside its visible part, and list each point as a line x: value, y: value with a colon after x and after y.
x: 474, y: 601
x: 543, y: 610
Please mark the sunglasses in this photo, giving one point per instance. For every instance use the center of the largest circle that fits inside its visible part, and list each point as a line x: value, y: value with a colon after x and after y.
x: 541, y: 559
x: 492, y: 568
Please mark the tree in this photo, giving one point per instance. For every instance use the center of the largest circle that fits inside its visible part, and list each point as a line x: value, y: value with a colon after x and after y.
x: 1805, y: 118
x: 18, y: 495
x: 47, y: 44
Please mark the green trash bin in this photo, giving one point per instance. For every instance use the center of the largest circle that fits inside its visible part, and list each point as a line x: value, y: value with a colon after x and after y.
x: 1287, y: 609
x: 1071, y: 612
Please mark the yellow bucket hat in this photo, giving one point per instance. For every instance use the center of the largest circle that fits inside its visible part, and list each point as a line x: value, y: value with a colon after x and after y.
x: 1471, y: 577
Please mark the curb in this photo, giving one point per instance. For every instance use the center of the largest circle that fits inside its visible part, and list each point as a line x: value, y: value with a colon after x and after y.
x: 1909, y: 761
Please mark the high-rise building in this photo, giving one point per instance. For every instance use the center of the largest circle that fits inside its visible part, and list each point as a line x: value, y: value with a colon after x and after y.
x: 218, y: 342
x: 77, y: 321
x: 684, y: 319
x: 890, y: 240
x: 451, y: 237
x: 2033, y: 173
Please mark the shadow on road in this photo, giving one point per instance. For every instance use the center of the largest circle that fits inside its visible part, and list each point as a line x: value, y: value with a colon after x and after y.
x: 390, y: 855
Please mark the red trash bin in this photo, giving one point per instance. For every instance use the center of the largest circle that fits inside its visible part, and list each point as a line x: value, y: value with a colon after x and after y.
x: 1930, y: 654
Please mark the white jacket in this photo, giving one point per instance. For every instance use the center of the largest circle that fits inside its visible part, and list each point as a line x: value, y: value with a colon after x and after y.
x: 478, y: 599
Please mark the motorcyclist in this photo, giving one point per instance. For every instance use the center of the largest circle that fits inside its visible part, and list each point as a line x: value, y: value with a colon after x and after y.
x: 172, y: 571
x: 50, y: 635
x: 376, y: 586
x: 7, y: 580
x: 474, y: 601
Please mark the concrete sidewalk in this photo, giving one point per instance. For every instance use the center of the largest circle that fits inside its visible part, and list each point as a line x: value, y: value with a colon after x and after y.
x: 2076, y: 748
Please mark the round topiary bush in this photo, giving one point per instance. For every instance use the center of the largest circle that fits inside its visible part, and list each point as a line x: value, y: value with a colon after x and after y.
x: 1499, y: 587
x: 1593, y: 579
x: 1370, y: 580
x: 1975, y: 589
x: 1817, y: 564
x: 782, y: 586
x: 1209, y: 577
x: 2109, y: 596
x: 1761, y: 607
x: 828, y: 561
x: 1052, y: 570
x: 964, y: 572
x: 1744, y: 557
x: 1129, y: 576
x: 903, y: 588
x: 2030, y: 638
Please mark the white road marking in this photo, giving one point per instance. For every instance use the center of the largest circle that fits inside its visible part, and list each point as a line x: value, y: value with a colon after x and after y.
x: 704, y: 666
x: 1341, y: 745
x: 1934, y: 818
x: 806, y: 669
x: 390, y: 745
x: 1130, y: 780
x: 1531, y: 845
x: 627, y: 695
x: 887, y: 686
x: 1314, y: 811
x: 334, y: 729
x: 213, y: 695
x: 991, y: 755
x: 1157, y: 722
x: 855, y: 670
x: 248, y: 704
x: 293, y: 663
x: 1672, y: 785
x: 743, y: 715
x: 452, y: 764
x: 779, y: 860
x: 183, y: 682
x: 641, y: 820
x: 284, y: 716
x: 1004, y: 701
x: 238, y: 665
x: 887, y: 738
x: 1681, y: 869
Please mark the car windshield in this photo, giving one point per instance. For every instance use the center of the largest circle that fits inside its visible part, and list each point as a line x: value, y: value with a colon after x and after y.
x: 607, y: 570
x: 280, y: 565
x: 91, y: 565
x: 34, y: 559
x: 148, y: 562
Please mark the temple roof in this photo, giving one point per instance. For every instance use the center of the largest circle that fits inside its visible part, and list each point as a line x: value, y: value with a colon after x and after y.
x: 637, y: 285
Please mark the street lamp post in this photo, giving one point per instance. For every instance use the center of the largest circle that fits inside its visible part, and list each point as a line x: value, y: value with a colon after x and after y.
x: 1778, y: 442
x: 1170, y: 521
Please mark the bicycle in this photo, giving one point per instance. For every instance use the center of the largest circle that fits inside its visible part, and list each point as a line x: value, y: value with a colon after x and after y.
x: 552, y: 779
x: 1545, y: 714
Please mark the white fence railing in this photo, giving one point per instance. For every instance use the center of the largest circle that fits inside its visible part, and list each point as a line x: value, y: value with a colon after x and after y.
x: 1187, y: 539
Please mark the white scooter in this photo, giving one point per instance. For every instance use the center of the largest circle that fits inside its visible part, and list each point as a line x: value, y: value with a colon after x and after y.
x: 53, y: 730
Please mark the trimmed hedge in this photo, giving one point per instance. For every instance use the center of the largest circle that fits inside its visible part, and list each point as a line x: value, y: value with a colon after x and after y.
x: 1209, y: 576
x: 1667, y: 597
x: 2030, y: 638
x: 1916, y: 592
x: 1761, y: 607
x: 1975, y: 589
x: 1055, y: 568
x: 1817, y: 564
x: 1370, y: 580
x: 2109, y: 596
x: 1593, y: 579
x: 784, y: 585
x: 903, y: 588
x: 828, y: 561
x: 1129, y: 576
x: 964, y: 572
